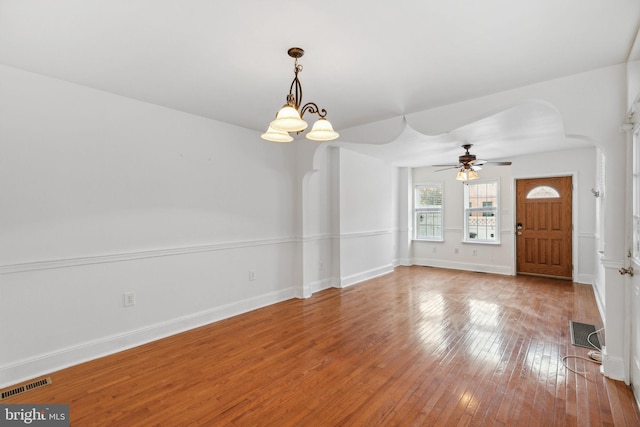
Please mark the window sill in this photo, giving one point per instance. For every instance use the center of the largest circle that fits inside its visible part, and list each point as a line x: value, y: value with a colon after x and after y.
x: 428, y: 240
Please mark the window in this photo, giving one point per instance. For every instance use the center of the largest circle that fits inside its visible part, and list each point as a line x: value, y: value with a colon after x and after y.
x: 543, y: 192
x: 428, y: 212
x: 481, y: 212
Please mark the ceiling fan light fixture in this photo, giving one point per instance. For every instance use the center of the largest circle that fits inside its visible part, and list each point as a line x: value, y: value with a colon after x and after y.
x: 468, y: 165
x: 322, y: 131
x: 275, y: 135
x: 467, y: 175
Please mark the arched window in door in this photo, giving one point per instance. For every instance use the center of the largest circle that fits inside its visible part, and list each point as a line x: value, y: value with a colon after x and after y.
x: 543, y: 192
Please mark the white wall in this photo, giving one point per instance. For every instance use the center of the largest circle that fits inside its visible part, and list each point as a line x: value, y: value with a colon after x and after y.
x: 366, y: 212
x: 352, y: 223
x: 580, y: 164
x: 633, y: 85
x: 103, y: 195
x: 593, y: 106
x: 320, y: 222
x: 452, y: 253
x: 402, y: 205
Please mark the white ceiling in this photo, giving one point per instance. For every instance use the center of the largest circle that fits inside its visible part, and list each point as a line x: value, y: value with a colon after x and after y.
x: 364, y: 60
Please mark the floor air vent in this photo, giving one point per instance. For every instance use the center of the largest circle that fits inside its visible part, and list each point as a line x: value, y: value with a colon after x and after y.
x: 24, y: 388
x: 585, y: 335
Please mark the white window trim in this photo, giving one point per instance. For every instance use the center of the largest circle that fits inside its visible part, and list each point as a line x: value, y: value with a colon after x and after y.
x: 494, y: 209
x: 416, y: 210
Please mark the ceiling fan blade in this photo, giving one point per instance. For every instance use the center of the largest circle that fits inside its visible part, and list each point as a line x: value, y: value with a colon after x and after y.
x: 446, y: 167
x: 497, y: 163
x: 468, y: 161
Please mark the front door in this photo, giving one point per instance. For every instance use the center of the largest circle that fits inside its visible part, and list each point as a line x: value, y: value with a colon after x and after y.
x: 544, y: 227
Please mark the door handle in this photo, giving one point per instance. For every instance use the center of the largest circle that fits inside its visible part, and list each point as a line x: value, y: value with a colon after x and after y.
x: 628, y: 271
x: 519, y: 233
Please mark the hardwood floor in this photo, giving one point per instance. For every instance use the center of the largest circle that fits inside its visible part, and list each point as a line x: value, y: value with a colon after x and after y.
x: 421, y: 346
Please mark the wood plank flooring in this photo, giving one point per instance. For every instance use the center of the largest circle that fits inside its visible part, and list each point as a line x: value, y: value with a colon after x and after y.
x: 419, y: 347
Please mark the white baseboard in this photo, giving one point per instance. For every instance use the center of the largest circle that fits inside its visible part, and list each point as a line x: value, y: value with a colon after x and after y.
x: 323, y: 284
x: 599, y: 302
x: 47, y: 363
x: 405, y: 262
x: 365, y: 275
x: 612, y: 367
x: 482, y: 268
x: 585, y: 279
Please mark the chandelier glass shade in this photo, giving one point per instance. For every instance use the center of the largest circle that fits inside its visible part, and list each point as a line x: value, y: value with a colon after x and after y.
x: 322, y: 131
x: 467, y: 175
x: 275, y: 135
x: 289, y: 118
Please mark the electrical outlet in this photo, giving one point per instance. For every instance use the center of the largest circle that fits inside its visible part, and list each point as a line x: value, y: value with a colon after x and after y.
x: 455, y: 251
x: 475, y: 252
x: 252, y: 275
x: 434, y: 250
x: 128, y: 299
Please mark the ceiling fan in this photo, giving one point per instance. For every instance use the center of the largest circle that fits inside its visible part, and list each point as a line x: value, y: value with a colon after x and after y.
x: 468, y: 165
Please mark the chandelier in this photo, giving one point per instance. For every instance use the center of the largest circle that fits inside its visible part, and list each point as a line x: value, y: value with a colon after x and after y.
x: 289, y: 118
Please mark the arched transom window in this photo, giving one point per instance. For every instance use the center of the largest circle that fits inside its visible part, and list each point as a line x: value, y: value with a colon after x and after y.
x: 543, y: 192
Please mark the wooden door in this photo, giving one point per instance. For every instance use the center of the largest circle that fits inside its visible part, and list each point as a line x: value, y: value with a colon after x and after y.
x: 544, y: 227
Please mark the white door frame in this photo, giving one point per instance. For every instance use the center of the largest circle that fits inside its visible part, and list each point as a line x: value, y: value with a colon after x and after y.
x: 632, y: 283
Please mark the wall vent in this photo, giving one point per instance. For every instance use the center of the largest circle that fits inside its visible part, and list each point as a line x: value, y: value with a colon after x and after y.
x: 24, y: 388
